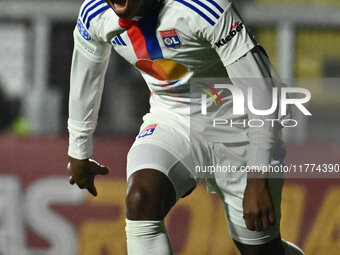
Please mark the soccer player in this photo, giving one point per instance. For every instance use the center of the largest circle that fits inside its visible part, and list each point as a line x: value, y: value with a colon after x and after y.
x: 171, y: 42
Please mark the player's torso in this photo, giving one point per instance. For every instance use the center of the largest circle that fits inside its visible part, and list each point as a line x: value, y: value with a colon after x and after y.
x: 166, y: 48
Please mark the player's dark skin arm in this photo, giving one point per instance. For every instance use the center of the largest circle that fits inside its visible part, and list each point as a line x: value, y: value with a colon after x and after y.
x: 258, y: 207
x: 83, y: 172
x: 259, y: 214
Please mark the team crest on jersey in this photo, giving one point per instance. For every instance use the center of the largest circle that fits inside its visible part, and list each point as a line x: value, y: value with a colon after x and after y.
x: 170, y: 38
x: 82, y: 30
x: 147, y: 131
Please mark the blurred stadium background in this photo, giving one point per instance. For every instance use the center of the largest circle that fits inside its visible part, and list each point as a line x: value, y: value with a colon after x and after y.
x: 41, y: 214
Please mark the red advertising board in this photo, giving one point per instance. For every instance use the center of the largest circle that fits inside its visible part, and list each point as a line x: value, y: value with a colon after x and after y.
x: 40, y: 213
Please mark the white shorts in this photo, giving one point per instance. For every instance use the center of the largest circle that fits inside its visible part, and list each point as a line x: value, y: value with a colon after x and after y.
x: 167, y: 145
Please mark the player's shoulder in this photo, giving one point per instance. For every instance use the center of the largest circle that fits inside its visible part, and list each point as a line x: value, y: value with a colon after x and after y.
x: 201, y: 12
x: 91, y: 11
x: 93, y: 17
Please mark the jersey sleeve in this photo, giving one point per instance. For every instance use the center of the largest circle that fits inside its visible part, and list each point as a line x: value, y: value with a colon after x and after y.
x: 89, y: 64
x: 254, y: 74
x: 89, y: 40
x: 229, y: 36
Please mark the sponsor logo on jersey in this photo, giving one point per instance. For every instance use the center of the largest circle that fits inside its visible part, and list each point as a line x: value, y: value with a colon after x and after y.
x: 82, y: 30
x: 86, y: 45
x: 163, y: 69
x: 147, y: 131
x: 118, y: 40
x: 170, y: 38
x: 235, y: 29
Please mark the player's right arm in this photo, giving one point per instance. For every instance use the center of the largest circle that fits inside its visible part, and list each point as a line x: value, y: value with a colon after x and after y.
x: 89, y: 64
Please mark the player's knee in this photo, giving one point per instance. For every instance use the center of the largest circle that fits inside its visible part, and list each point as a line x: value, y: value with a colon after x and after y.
x: 146, y: 203
x: 150, y: 195
x: 138, y: 199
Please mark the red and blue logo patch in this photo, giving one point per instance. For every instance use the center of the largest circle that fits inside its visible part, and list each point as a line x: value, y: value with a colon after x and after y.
x: 147, y: 131
x: 170, y: 38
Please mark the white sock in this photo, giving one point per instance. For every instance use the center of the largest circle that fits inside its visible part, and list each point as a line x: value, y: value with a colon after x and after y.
x: 291, y: 249
x: 147, y: 238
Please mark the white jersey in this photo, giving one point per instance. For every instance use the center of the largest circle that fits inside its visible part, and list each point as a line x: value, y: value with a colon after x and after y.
x: 178, y: 41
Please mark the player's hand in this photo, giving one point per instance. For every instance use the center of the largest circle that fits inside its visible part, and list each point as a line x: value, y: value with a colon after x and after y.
x: 82, y: 172
x: 258, y: 207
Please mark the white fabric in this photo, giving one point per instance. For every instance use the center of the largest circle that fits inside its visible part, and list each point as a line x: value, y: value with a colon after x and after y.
x: 172, y: 133
x: 246, y: 236
x: 255, y: 71
x: 85, y: 96
x: 150, y: 156
x: 147, y: 238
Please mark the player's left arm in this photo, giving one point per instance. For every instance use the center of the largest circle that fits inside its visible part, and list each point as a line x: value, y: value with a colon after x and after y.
x: 248, y: 69
x: 251, y: 71
x: 89, y: 63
